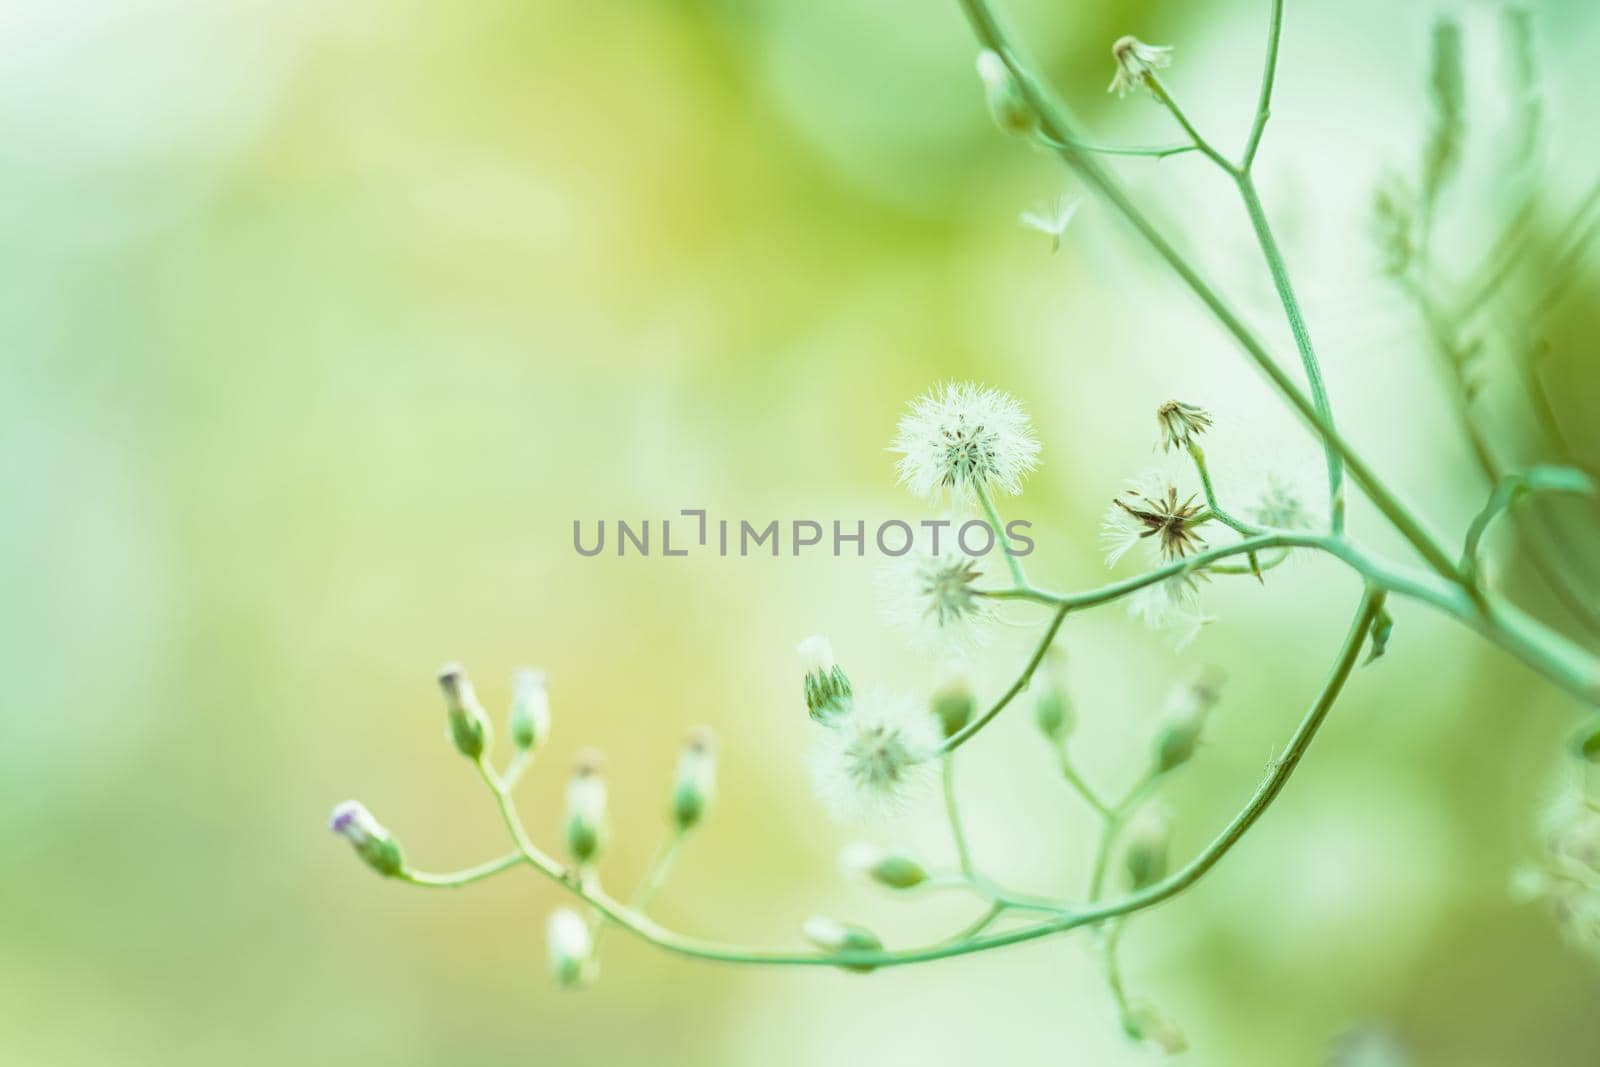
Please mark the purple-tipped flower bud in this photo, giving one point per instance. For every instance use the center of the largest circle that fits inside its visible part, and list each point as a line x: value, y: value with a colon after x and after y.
x: 586, y: 807
x: 696, y: 781
x: 530, y: 709
x: 469, y: 723
x: 353, y: 822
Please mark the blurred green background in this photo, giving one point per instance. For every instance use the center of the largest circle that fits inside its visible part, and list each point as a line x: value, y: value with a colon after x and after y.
x: 321, y: 323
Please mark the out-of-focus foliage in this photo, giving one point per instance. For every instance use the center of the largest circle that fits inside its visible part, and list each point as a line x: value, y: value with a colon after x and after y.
x: 320, y: 325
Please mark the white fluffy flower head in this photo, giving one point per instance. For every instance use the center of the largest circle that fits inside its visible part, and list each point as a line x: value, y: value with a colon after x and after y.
x: 962, y: 437
x: 1136, y: 61
x: 1172, y: 605
x: 934, y: 601
x: 872, y: 760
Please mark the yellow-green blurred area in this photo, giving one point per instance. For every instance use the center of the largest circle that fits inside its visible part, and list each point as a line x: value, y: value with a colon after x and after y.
x: 322, y: 322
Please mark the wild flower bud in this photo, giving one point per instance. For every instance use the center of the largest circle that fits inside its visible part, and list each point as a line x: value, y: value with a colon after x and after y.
x: 953, y: 703
x: 586, y: 807
x: 1144, y: 856
x: 885, y: 868
x: 1144, y: 1023
x: 827, y: 690
x: 353, y: 822
x: 567, y: 936
x: 469, y: 723
x: 1180, y: 424
x: 831, y: 935
x: 697, y: 777
x: 1586, y: 744
x: 530, y: 709
x: 1187, y: 708
x: 1007, y: 105
x: 1136, y: 62
x: 1052, y: 711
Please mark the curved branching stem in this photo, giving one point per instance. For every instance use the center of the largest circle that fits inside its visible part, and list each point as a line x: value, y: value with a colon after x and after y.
x: 1151, y: 151
x: 637, y: 923
x: 1056, y: 124
x: 1269, y: 77
x: 457, y: 879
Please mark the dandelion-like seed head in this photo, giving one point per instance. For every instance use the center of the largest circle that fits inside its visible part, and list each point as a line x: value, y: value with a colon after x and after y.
x: 1151, y: 511
x: 1566, y: 875
x: 962, y: 437
x: 873, y: 760
x: 1180, y: 423
x: 1136, y: 61
x: 1282, y: 506
x: 1172, y: 605
x: 934, y: 601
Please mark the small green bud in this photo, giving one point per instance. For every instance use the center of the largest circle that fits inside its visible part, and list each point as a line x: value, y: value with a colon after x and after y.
x: 353, y: 822
x: 1586, y: 744
x: 571, y: 947
x: 1187, y: 708
x: 1007, y: 105
x: 1143, y: 1022
x: 834, y: 936
x: 953, y: 703
x: 885, y: 868
x: 1144, y: 856
x: 469, y: 723
x: 696, y: 781
x: 1052, y: 711
x: 530, y: 709
x: 827, y: 690
x: 586, y: 808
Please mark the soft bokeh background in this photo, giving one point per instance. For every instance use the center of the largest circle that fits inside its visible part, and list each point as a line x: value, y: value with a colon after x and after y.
x: 321, y: 323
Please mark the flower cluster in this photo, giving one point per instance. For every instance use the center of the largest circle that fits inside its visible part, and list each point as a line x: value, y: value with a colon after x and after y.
x: 570, y: 936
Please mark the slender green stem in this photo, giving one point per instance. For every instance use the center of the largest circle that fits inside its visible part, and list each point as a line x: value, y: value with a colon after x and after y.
x: 979, y: 925
x: 993, y: 517
x: 971, y: 877
x: 953, y: 812
x: 1116, y: 820
x: 1055, y: 122
x: 1151, y: 151
x: 1269, y: 74
x: 520, y: 762
x: 646, y: 928
x: 1114, y: 972
x: 1198, y: 455
x: 1076, y: 780
x: 971, y: 730
x: 457, y: 879
x: 1158, y: 88
x: 1279, y: 270
x: 656, y: 875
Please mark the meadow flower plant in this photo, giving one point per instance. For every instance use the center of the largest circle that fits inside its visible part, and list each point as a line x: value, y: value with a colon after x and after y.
x: 965, y: 447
